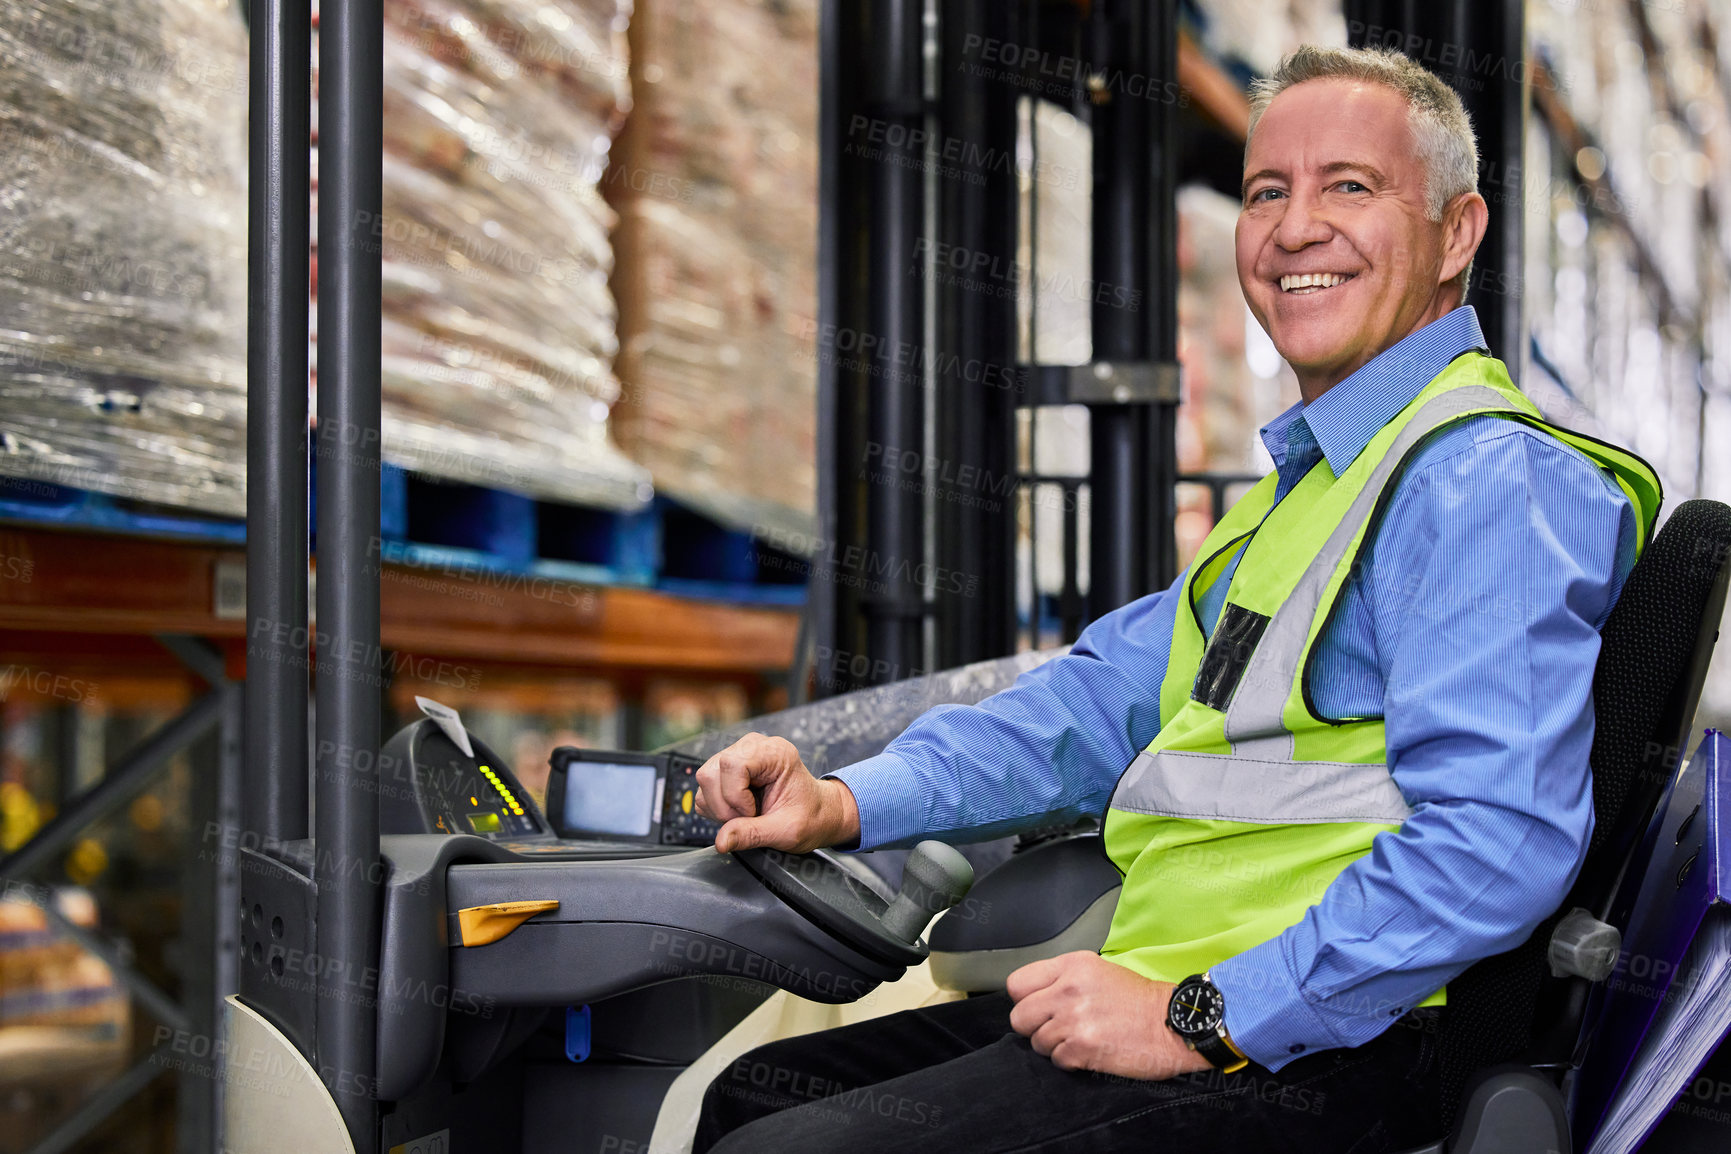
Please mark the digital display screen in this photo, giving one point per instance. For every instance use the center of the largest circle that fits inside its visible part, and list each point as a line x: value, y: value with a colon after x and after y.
x: 610, y: 798
x: 484, y: 822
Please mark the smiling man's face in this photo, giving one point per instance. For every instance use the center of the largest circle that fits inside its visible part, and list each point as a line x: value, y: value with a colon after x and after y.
x: 1335, y: 253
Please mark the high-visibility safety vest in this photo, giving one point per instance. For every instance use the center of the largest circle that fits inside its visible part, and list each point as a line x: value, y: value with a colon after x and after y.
x: 1249, y: 803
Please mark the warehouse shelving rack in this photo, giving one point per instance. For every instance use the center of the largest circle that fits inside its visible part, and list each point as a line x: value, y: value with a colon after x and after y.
x: 182, y: 587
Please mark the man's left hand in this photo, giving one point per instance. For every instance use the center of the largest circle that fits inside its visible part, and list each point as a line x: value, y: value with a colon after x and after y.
x: 1085, y: 1013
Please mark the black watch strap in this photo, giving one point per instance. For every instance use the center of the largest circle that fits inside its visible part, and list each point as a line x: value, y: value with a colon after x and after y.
x: 1220, y: 1055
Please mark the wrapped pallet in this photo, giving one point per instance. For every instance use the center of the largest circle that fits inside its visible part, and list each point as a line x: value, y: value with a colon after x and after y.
x: 715, y: 182
x: 499, y: 327
x: 123, y: 249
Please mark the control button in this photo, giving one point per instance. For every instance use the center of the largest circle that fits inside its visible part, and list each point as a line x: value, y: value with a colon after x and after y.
x: 685, y: 801
x: 481, y: 925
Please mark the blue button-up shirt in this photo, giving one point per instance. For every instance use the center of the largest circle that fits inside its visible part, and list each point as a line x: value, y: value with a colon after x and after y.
x: 1473, y: 632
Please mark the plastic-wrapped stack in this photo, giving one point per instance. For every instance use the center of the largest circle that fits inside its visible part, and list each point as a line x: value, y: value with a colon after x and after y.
x: 1627, y: 164
x: 499, y: 328
x: 123, y: 249
x: 715, y: 180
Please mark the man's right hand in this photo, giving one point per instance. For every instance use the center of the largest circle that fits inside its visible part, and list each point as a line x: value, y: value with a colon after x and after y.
x: 763, y: 794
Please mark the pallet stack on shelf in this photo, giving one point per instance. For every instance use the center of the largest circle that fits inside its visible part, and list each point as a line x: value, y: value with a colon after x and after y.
x: 530, y: 575
x: 512, y: 531
x: 1628, y: 238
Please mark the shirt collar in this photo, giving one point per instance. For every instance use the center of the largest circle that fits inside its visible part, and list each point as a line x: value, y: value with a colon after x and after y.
x: 1348, y: 415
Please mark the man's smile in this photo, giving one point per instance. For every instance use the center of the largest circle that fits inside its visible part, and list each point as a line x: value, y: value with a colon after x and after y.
x: 1306, y: 283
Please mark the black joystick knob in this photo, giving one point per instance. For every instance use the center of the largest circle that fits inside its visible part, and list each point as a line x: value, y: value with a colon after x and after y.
x: 935, y: 878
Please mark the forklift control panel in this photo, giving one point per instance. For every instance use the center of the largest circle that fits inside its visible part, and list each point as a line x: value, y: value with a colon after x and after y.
x: 431, y: 784
x: 643, y: 797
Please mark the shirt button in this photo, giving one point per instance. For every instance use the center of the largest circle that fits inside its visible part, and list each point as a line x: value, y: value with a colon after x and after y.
x: 1395, y: 1013
x: 1295, y: 1048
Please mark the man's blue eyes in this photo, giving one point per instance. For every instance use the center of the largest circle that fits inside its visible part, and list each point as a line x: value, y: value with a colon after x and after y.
x: 1263, y: 195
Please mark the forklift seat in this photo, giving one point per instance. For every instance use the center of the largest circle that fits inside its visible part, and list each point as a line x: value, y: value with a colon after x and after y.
x: 1653, y: 659
x: 1511, y: 1027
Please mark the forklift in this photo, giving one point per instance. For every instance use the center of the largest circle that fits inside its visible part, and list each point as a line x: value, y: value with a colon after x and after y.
x: 433, y: 964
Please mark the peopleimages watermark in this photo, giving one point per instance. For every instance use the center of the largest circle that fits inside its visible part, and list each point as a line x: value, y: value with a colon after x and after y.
x: 681, y: 954
x: 96, y: 268
x: 977, y: 270
x: 1040, y: 70
x: 771, y: 1084
x: 1470, y: 65
x: 515, y: 41
x: 951, y: 157
x: 266, y: 1069
x: 857, y: 565
x: 44, y: 683
x: 483, y: 582
x: 912, y: 471
x: 512, y: 370
x: 426, y: 244
x: 257, y: 1069
x: 856, y: 350
x: 357, y: 659
x: 63, y: 45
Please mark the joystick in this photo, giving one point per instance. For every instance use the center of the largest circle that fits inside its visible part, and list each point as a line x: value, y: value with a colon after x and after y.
x: 816, y: 884
x: 935, y: 878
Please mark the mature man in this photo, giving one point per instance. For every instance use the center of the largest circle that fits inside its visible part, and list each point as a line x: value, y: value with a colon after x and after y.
x: 1357, y: 728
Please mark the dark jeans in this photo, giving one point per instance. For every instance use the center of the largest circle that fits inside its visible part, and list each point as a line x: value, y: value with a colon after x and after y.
x: 955, y: 1079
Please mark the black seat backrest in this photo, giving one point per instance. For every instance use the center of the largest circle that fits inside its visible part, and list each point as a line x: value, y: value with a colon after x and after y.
x: 1653, y: 658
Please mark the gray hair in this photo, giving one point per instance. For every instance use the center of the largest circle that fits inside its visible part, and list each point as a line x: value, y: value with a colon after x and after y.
x: 1441, y: 130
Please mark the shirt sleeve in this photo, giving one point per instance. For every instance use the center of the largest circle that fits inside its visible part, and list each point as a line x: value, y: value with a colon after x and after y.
x: 1502, y: 553
x: 1048, y: 749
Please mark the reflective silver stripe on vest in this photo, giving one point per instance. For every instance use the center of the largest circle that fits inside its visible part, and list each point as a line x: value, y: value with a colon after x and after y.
x: 1260, y: 699
x: 1263, y: 791
x: 1259, y: 782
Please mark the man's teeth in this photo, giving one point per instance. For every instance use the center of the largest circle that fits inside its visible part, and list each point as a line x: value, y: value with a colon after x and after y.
x: 1313, y: 280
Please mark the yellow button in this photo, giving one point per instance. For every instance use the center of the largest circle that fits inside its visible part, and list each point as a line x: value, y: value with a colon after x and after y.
x: 685, y: 800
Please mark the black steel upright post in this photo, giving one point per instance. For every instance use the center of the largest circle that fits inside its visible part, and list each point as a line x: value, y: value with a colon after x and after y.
x: 976, y: 404
x: 895, y: 514
x: 274, y: 807
x: 346, y: 870
x: 1133, y: 473
x: 1479, y: 49
x: 825, y: 609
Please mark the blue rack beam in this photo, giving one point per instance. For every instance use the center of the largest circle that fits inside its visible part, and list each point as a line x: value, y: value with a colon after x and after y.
x: 433, y: 524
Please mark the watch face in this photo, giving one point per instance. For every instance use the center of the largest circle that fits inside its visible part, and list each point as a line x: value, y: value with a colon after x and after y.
x: 1197, y: 1008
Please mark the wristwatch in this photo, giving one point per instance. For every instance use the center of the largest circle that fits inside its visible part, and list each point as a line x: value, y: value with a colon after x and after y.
x: 1197, y: 1013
